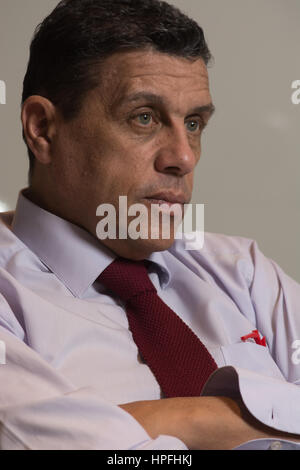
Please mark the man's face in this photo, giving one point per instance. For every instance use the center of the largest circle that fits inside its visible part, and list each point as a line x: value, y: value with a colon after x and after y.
x: 137, y: 135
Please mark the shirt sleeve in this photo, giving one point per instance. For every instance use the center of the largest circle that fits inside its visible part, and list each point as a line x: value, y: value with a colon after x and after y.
x: 273, y: 398
x: 41, y: 410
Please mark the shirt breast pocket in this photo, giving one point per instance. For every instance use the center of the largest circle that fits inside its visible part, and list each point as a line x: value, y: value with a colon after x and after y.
x: 251, y: 356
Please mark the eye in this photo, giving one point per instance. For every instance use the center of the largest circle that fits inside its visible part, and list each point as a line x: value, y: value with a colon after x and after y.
x: 193, y: 125
x: 145, y: 118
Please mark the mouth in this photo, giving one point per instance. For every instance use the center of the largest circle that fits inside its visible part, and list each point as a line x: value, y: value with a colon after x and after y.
x: 168, y: 198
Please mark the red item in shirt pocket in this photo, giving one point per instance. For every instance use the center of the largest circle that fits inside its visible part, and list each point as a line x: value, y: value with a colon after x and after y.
x: 256, y: 337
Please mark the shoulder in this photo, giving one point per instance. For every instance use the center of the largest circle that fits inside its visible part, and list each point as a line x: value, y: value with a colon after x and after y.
x: 10, y: 244
x: 14, y: 261
x: 7, y: 218
x: 221, y: 256
x: 214, y: 245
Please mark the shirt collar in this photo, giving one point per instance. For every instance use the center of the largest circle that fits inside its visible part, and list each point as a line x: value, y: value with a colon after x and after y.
x: 70, y: 252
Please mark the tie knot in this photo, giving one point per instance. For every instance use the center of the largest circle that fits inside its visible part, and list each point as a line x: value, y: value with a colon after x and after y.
x: 126, y: 278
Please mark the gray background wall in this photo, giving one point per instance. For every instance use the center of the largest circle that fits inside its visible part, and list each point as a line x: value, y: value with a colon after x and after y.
x: 248, y: 176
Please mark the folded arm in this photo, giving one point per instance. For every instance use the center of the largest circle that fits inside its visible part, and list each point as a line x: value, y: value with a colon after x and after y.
x: 209, y: 423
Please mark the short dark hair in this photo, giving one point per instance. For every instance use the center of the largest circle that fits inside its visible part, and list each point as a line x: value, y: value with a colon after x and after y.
x: 80, y: 34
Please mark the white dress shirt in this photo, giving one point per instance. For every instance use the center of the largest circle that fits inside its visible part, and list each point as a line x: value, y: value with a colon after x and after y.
x: 71, y: 359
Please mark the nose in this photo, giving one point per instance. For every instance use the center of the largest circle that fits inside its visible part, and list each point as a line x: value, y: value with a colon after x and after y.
x: 176, y: 155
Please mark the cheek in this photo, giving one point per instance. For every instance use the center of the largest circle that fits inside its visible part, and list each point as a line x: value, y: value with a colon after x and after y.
x: 190, y: 181
x: 108, y: 161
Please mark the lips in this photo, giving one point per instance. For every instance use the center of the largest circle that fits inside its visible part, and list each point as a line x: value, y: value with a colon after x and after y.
x: 167, y: 198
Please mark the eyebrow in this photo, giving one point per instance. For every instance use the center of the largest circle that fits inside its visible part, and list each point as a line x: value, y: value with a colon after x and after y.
x: 160, y: 101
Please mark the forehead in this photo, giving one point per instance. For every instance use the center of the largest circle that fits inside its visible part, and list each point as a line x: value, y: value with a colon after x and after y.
x: 179, y: 80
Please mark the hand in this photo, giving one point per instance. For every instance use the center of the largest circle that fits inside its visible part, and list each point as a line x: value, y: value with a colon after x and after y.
x: 210, y: 423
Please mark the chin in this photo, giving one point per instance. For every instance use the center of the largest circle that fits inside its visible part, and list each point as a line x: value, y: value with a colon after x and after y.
x: 147, y: 247
x: 138, y: 249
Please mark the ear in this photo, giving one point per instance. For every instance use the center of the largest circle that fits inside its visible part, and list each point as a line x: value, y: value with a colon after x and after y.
x: 38, y: 119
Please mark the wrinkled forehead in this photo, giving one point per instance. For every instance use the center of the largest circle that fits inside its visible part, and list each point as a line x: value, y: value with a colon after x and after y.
x: 178, y: 80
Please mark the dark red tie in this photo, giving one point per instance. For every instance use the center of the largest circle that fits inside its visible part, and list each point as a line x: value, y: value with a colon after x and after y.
x: 177, y: 358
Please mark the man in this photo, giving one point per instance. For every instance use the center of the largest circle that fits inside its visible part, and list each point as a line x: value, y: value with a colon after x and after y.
x: 115, y: 100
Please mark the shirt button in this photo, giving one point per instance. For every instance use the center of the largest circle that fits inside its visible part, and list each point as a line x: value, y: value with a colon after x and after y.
x: 275, y: 445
